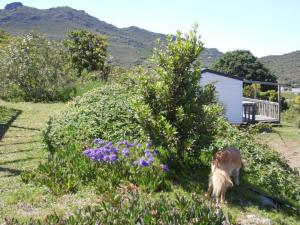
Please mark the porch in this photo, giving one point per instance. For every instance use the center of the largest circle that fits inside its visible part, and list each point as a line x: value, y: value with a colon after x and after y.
x: 255, y: 110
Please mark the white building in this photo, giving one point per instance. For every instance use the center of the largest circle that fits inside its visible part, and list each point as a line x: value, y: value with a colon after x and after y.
x: 229, y: 93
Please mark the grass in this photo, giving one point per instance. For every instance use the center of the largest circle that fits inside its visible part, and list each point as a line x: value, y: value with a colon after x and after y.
x: 21, y: 149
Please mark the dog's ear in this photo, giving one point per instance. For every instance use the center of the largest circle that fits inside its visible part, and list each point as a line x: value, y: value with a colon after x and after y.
x: 244, y: 163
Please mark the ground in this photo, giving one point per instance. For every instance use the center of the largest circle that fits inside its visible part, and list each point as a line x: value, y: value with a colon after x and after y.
x: 286, y: 140
x: 21, y: 149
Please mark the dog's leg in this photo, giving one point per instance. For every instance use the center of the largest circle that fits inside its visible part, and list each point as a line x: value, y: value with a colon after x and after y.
x: 223, y: 192
x: 210, y: 187
x: 236, y: 175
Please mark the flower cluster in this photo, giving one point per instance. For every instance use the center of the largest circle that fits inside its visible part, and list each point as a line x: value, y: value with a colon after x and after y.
x: 107, y: 152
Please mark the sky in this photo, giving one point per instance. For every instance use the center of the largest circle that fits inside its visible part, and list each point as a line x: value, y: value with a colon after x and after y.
x: 265, y: 27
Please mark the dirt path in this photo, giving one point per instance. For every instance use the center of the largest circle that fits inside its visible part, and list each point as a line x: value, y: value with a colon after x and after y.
x: 286, y: 141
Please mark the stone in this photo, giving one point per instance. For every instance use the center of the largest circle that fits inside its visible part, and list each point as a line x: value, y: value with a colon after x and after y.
x: 254, y: 220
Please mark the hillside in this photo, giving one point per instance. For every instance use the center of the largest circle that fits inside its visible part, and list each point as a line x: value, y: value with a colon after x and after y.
x: 286, y: 67
x: 128, y: 46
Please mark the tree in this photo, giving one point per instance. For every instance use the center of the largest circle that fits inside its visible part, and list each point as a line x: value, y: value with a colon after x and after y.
x: 173, y: 109
x: 87, y: 50
x: 32, y: 68
x: 244, y: 64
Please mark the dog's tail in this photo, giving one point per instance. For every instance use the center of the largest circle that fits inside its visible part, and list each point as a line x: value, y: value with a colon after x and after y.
x: 220, y: 180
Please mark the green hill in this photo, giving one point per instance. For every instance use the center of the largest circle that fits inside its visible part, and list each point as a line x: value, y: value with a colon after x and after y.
x: 128, y: 46
x: 286, y: 67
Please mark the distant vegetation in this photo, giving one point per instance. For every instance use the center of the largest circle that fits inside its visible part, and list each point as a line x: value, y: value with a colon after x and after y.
x: 286, y: 67
x: 244, y: 64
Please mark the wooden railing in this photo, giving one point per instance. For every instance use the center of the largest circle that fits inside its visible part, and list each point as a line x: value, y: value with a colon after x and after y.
x: 265, y: 108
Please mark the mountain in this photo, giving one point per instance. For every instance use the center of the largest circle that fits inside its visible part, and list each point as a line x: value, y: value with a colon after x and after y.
x: 286, y: 67
x: 128, y: 46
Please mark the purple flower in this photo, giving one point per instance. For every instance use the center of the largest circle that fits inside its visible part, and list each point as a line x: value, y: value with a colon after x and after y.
x: 125, y: 151
x: 143, y: 163
x: 165, y: 167
x: 150, y: 159
x: 139, y: 145
x: 98, y: 141
x: 109, y: 144
x: 156, y: 152
x: 113, y: 157
x: 149, y: 144
x: 148, y: 153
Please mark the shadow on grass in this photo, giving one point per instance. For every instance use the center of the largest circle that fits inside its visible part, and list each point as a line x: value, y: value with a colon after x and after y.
x: 13, y: 152
x: 13, y: 172
x: 25, y: 128
x: 20, y: 143
x: 17, y: 160
x: 4, y: 125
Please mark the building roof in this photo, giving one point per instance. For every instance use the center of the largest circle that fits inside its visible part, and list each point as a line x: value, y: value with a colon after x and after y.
x: 221, y: 74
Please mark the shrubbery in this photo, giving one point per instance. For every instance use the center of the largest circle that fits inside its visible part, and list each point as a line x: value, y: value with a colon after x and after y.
x: 105, y: 165
x: 132, y: 207
x: 102, y: 113
x: 173, y: 109
x: 33, y: 68
x: 265, y: 169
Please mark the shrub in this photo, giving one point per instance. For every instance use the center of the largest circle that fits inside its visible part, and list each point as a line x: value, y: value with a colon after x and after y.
x: 87, y: 51
x: 102, y: 113
x: 105, y: 165
x: 132, y: 207
x: 33, y: 68
x: 265, y: 170
x: 173, y: 106
x: 262, y: 127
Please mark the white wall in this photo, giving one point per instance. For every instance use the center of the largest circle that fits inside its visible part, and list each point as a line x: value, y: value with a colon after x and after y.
x: 229, y: 93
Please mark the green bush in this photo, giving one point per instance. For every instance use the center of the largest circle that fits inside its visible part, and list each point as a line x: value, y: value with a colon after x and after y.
x: 87, y: 51
x: 102, y: 113
x: 105, y: 166
x: 265, y: 169
x: 173, y: 108
x: 33, y: 68
x: 132, y: 207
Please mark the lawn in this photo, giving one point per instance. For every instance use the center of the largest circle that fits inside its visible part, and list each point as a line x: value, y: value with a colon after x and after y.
x: 21, y: 149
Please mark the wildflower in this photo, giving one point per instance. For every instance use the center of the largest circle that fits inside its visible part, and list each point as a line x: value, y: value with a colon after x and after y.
x: 125, y: 151
x: 165, y: 167
x: 156, y: 152
x: 98, y: 141
x: 109, y: 144
x: 150, y: 159
x: 139, y: 145
x: 143, y: 163
x: 149, y: 144
x: 148, y: 153
x: 113, y: 157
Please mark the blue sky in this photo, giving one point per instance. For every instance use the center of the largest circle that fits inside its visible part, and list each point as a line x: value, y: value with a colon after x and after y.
x: 266, y: 27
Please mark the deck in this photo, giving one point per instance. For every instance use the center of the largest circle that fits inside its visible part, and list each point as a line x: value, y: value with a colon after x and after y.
x: 255, y: 111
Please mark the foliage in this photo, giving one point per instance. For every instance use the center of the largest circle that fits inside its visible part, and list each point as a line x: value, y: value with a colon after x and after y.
x: 262, y: 128
x: 285, y: 67
x: 4, y: 38
x: 102, y: 113
x: 265, y: 171
x: 87, y: 50
x: 173, y: 107
x: 243, y: 64
x: 296, y: 103
x: 33, y: 68
x: 105, y: 165
x: 132, y: 207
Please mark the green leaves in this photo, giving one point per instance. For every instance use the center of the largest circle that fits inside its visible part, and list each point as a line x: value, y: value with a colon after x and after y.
x: 171, y: 109
x: 33, y: 68
x: 87, y: 50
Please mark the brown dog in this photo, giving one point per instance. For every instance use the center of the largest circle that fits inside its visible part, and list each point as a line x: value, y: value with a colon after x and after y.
x: 225, y: 163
